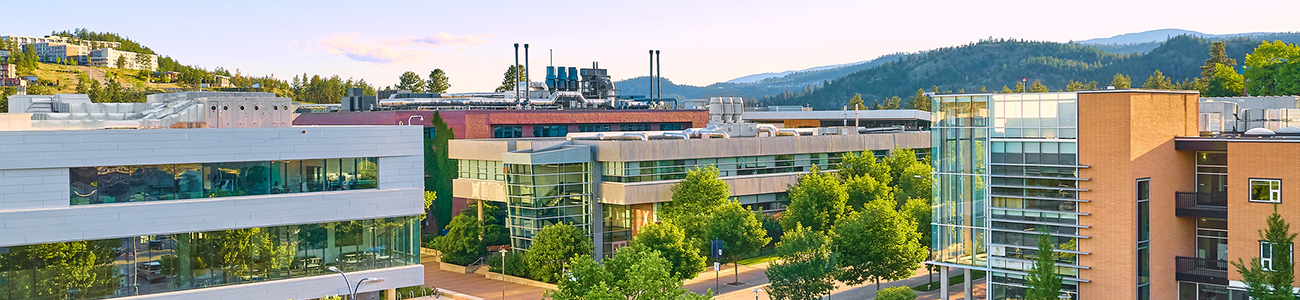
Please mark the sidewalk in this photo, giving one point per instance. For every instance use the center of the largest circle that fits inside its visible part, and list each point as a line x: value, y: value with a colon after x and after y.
x: 475, y: 284
x: 751, y: 276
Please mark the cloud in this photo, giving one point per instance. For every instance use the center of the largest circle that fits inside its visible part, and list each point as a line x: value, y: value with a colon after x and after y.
x: 384, y: 51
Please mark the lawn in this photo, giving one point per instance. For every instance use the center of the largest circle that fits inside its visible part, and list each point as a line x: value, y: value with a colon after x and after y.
x: 951, y: 281
x: 757, y: 260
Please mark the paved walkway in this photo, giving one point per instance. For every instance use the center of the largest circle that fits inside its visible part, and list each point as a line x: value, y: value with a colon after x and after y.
x: 750, y: 276
x: 475, y: 284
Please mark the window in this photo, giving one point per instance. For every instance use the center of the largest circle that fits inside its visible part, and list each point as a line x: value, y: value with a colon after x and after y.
x: 117, y: 184
x: 1144, y: 238
x: 593, y: 127
x: 634, y: 127
x: 670, y: 126
x: 1266, y: 190
x: 510, y: 131
x: 550, y: 130
x: 1266, y: 254
x: 430, y: 133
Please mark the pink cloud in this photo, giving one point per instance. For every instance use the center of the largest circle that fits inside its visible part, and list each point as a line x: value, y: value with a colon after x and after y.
x: 383, y: 51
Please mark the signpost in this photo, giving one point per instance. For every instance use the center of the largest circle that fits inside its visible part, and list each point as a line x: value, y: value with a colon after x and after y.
x: 715, y: 251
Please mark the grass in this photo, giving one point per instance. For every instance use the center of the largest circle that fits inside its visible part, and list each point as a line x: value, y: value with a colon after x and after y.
x: 951, y: 280
x: 66, y: 76
x: 757, y: 260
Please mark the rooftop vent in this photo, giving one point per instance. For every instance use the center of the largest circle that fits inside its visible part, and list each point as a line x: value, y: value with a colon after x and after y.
x: 1259, y: 132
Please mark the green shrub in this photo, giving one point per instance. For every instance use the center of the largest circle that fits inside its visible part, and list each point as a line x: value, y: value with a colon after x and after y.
x: 896, y: 293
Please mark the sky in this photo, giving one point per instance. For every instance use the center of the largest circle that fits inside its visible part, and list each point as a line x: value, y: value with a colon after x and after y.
x: 702, y: 42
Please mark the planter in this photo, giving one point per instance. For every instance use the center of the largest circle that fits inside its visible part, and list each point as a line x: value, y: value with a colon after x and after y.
x: 523, y: 281
x: 457, y: 268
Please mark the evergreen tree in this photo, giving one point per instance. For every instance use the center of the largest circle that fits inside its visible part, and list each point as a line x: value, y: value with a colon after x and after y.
x: 508, y: 83
x: 438, y: 82
x: 1091, y: 86
x: 855, y: 103
x: 1274, y: 281
x: 1158, y: 81
x: 1217, y: 57
x: 1006, y: 90
x: 1043, y: 282
x: 922, y: 102
x: 892, y: 102
x: 1121, y: 82
x: 1020, y: 87
x: 1038, y: 87
x: 1073, y: 86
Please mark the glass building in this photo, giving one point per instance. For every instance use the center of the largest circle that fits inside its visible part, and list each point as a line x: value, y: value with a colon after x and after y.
x: 1007, y: 173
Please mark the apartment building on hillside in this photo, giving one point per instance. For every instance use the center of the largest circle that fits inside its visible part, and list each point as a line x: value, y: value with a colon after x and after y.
x: 108, y: 57
x: 52, y: 52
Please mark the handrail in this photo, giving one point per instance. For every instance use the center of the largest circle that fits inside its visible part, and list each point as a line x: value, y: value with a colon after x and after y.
x: 1201, y: 200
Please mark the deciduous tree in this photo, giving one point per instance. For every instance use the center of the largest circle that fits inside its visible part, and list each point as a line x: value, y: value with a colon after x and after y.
x: 740, y: 231
x: 816, y: 201
x: 461, y: 245
x: 1225, y: 82
x: 877, y: 244
x: 635, y: 272
x: 695, y: 199
x: 806, y: 267
x: 553, y: 248
x: 670, y: 241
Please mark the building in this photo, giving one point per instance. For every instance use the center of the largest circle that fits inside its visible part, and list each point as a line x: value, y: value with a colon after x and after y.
x: 175, y: 110
x: 108, y: 57
x: 52, y: 52
x: 795, y: 117
x: 612, y: 183
x: 483, y: 124
x: 248, y: 212
x: 28, y: 40
x: 8, y: 71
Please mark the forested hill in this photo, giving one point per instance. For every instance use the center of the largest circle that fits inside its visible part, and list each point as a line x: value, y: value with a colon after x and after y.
x: 790, y: 82
x: 995, y: 63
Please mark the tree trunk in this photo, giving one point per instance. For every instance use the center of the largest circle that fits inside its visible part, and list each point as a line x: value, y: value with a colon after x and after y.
x: 735, y: 270
x: 877, y: 286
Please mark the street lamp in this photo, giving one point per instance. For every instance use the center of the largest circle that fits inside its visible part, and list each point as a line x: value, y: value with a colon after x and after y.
x: 503, y: 272
x: 346, y: 282
x: 354, y: 291
x: 756, y: 290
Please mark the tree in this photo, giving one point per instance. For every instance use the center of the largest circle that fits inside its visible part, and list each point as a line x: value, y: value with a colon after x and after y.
x: 1091, y: 86
x: 914, y: 183
x: 806, y: 269
x: 739, y: 230
x: 1042, y: 281
x: 1020, y: 87
x: 877, y: 244
x: 919, y: 210
x: 1275, y: 281
x: 636, y: 272
x: 461, y: 245
x: 922, y: 102
x: 438, y: 82
x: 1225, y: 82
x: 862, y: 190
x: 1273, y: 68
x: 1218, y: 56
x: 1158, y: 81
x: 120, y: 62
x: 1121, y: 81
x: 411, y: 81
x: 864, y: 164
x: 695, y: 199
x: 816, y: 201
x: 1073, y: 86
x: 429, y: 197
x: 855, y: 103
x: 670, y: 241
x: 1006, y: 90
x: 508, y: 83
x: 896, y: 293
x: 553, y: 248
x: 892, y: 102
x: 1038, y: 87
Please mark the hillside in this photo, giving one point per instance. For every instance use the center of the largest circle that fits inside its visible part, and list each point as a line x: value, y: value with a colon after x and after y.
x: 995, y: 63
x: 791, y: 81
x: 1143, y: 42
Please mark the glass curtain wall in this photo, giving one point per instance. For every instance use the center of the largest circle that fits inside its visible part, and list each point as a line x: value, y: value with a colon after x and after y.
x: 151, y: 264
x: 116, y: 184
x: 1034, y: 187
x: 546, y: 194
x: 960, y: 141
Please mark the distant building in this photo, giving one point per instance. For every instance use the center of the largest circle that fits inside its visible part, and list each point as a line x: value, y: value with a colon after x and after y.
x: 794, y: 117
x: 8, y: 71
x: 13, y: 82
x: 108, y: 58
x: 220, y: 81
x: 51, y: 52
x: 29, y: 40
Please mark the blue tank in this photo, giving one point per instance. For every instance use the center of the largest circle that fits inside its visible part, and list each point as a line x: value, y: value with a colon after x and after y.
x: 573, y: 78
x: 561, y: 79
x: 550, y: 77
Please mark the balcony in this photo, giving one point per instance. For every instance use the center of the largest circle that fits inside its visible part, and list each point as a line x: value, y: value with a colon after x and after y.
x: 1201, y: 270
x: 1202, y: 205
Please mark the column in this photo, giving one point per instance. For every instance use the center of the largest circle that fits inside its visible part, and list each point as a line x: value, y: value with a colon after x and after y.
x: 943, y: 283
x: 967, y: 287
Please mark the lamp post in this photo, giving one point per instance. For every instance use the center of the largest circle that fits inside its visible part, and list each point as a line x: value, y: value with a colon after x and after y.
x: 503, y: 272
x: 354, y: 291
x: 346, y: 282
x: 756, y: 290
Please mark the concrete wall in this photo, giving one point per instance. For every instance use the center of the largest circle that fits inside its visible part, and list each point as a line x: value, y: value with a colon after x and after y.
x: 301, y: 288
x: 661, y: 191
x: 1123, y: 137
x: 708, y: 148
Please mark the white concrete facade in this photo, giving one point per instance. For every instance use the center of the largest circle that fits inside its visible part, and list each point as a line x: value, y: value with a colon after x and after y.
x: 108, y: 57
x: 35, y: 206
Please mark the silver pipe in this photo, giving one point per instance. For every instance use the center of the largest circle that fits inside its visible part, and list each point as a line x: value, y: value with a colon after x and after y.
x: 659, y: 75
x: 516, y: 67
x: 652, y: 74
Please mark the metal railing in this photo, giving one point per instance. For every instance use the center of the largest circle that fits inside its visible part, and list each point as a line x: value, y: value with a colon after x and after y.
x: 1202, y: 205
x: 1201, y: 270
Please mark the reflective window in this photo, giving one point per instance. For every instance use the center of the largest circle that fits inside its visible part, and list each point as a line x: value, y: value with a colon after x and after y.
x: 593, y: 127
x: 550, y: 130
x: 508, y: 131
x: 671, y: 126
x: 116, y: 184
x: 153, y: 264
x: 1266, y: 190
x: 634, y: 127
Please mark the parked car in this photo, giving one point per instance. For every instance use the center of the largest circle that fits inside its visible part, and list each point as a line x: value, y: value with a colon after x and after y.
x: 150, y: 271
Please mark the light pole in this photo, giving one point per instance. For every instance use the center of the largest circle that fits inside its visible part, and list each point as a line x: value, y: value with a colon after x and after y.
x: 346, y: 282
x: 503, y: 272
x: 756, y: 290
x: 354, y: 291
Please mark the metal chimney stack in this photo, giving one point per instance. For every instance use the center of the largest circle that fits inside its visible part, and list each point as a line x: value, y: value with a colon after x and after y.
x: 651, y: 79
x: 659, y: 75
x: 526, y: 69
x: 516, y: 67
